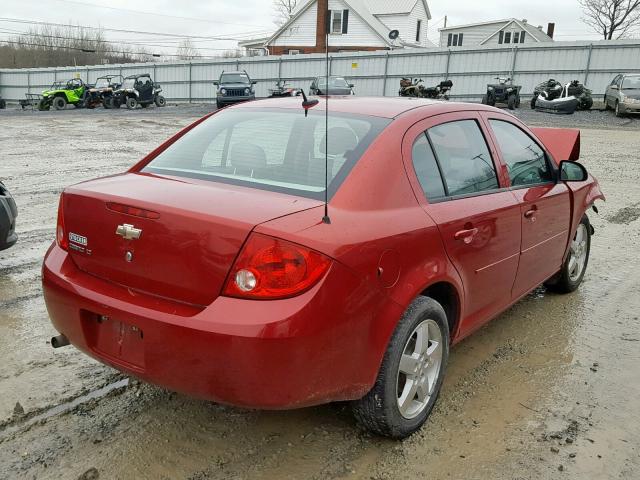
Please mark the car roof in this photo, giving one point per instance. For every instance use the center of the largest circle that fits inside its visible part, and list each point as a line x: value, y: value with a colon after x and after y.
x: 386, y: 107
x: 234, y: 71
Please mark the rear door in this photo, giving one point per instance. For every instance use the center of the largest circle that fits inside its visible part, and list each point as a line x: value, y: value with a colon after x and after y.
x: 544, y: 203
x: 454, y: 172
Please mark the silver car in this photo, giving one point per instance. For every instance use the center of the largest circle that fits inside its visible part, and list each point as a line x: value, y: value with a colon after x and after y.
x: 623, y: 94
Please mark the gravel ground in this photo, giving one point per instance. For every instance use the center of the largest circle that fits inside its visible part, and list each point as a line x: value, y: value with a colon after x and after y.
x: 548, y: 390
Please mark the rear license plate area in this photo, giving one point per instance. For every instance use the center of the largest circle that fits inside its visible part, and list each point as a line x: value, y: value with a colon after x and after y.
x: 119, y: 341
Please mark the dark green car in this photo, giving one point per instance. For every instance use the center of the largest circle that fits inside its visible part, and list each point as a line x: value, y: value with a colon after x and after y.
x: 63, y: 93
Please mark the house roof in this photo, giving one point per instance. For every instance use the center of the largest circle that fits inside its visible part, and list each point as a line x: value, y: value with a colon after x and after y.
x: 535, y: 32
x: 391, y: 7
x: 365, y: 10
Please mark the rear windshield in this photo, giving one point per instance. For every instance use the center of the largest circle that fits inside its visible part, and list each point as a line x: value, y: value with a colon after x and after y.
x: 336, y: 82
x: 631, y: 83
x: 271, y: 149
x: 234, y: 78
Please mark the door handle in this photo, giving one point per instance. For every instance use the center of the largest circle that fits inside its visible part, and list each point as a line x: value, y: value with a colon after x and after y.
x: 466, y: 235
x: 531, y: 212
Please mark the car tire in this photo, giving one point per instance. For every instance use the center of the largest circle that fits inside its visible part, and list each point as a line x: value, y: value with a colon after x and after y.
x: 114, y: 102
x: 160, y: 101
x: 59, y: 103
x: 533, y: 102
x: 131, y: 103
x: 606, y: 103
x: 511, y: 102
x: 43, y: 105
x: 485, y: 99
x: 393, y: 407
x: 570, y: 276
x: 617, y: 109
x: 106, y: 103
x: 219, y: 105
x: 3, y: 104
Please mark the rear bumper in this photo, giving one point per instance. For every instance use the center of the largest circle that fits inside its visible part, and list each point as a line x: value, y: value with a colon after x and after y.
x: 8, y: 214
x: 315, y: 348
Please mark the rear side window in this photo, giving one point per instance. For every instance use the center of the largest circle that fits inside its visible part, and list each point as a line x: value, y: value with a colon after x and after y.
x: 464, y: 158
x: 526, y: 161
x: 426, y: 168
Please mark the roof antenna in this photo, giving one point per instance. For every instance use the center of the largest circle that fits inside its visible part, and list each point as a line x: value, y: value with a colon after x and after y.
x: 327, y: 25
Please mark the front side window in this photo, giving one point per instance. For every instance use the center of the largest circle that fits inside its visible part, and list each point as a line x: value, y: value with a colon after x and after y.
x: 525, y: 160
x: 463, y: 157
x: 271, y: 149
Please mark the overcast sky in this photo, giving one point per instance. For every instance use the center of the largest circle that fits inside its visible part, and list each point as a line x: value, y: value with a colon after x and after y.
x: 246, y: 18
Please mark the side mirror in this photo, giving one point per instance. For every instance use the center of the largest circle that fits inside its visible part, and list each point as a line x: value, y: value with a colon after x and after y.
x: 351, y: 85
x: 216, y: 83
x: 572, y: 172
x: 254, y: 82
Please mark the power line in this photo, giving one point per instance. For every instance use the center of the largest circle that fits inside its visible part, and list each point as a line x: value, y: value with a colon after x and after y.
x: 87, y: 4
x: 119, y: 30
x: 37, y: 36
x: 89, y: 50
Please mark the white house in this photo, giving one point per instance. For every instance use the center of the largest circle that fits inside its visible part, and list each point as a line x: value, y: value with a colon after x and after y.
x: 354, y: 25
x: 498, y: 32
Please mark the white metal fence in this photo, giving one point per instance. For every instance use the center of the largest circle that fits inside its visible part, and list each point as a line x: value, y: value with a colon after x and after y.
x: 374, y: 73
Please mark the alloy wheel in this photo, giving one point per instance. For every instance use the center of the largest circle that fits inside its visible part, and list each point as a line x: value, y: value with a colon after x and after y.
x: 578, y: 253
x: 419, y: 368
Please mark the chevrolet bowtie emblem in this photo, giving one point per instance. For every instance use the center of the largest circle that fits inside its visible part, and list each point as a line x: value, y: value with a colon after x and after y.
x: 128, y: 232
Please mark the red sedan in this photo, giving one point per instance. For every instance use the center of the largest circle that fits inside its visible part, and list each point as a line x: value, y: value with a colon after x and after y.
x: 207, y: 268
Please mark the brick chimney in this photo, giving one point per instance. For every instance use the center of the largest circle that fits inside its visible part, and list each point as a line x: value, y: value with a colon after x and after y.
x: 550, y: 29
x: 321, y: 24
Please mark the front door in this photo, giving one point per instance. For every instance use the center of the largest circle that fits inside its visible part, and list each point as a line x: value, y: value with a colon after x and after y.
x: 478, y: 218
x: 544, y: 203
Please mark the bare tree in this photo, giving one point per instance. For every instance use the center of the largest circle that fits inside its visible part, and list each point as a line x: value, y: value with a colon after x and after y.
x: 612, y: 19
x: 48, y: 46
x: 283, y: 9
x: 186, y: 50
x: 237, y: 53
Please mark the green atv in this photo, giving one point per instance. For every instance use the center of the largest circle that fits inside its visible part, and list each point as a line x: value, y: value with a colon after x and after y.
x: 62, y: 93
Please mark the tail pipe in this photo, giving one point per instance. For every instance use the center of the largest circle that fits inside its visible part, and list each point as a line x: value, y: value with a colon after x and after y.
x: 59, y: 341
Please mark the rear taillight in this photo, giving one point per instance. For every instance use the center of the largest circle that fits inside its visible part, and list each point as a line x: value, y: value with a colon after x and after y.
x: 269, y: 268
x: 61, y: 234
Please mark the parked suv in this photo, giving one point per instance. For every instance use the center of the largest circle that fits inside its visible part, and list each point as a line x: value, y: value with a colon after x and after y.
x: 8, y: 214
x: 234, y: 87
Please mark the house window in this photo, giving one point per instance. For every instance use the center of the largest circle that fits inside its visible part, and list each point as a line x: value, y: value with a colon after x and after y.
x: 454, y: 40
x: 516, y: 37
x: 339, y: 22
x: 500, y: 36
x: 418, y: 25
x: 522, y: 36
x: 507, y: 37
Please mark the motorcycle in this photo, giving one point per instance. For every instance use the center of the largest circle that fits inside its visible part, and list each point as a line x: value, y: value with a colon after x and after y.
x: 415, y: 88
x: 554, y: 97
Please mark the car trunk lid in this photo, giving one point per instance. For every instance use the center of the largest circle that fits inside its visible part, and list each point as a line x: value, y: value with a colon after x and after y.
x: 189, y: 231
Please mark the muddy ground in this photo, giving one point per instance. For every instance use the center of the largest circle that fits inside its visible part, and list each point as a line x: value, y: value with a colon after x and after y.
x: 550, y: 389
